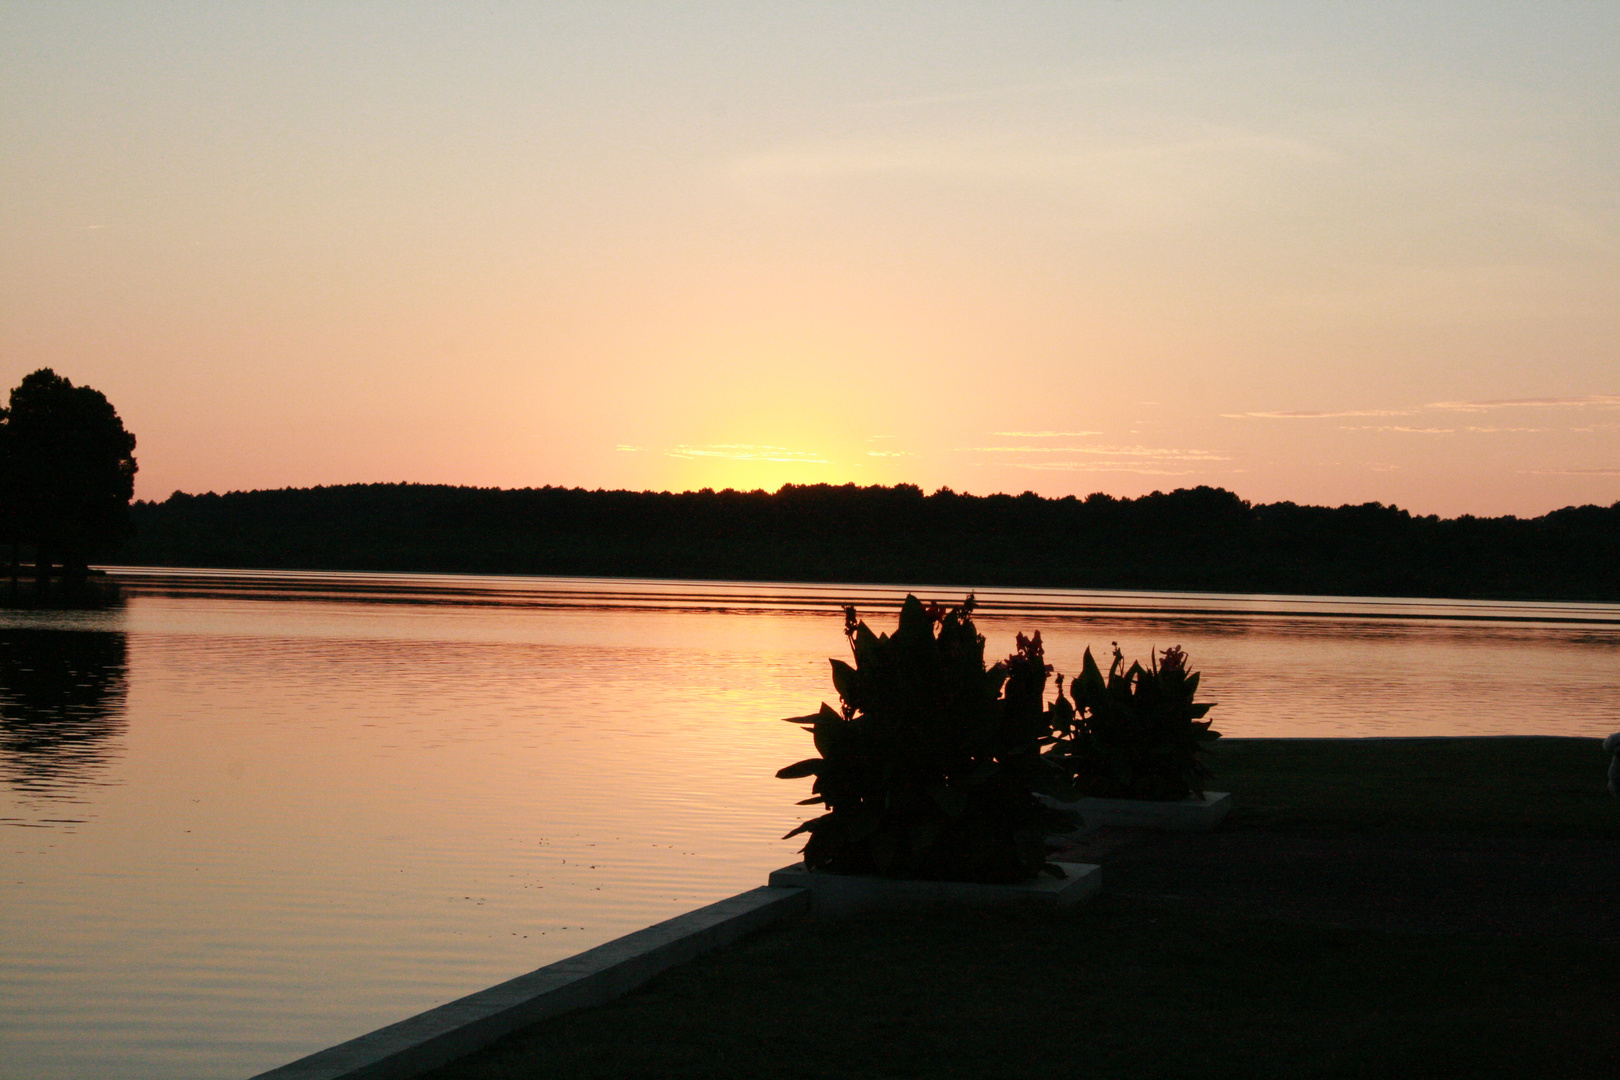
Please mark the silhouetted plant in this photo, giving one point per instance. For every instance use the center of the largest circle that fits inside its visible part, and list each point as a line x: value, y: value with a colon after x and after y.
x: 931, y: 767
x: 1137, y: 734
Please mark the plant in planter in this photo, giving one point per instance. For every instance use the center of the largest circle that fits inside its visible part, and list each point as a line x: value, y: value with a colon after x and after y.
x: 1137, y: 734
x: 931, y: 767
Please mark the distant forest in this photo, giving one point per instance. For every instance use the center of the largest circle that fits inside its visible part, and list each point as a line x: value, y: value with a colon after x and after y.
x: 1195, y: 539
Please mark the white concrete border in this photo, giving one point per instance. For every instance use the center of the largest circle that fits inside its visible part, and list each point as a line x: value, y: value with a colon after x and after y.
x: 1189, y: 815
x: 454, y: 1030
x: 846, y: 894
x: 439, y: 1036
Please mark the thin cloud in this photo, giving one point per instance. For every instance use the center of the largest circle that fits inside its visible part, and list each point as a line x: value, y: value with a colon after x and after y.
x: 1310, y: 415
x: 1569, y: 472
x: 890, y: 453
x: 1601, y: 400
x: 1139, y: 468
x: 1044, y: 434
x: 1102, y: 451
x: 1472, y: 429
x: 626, y: 448
x: 962, y: 97
x: 744, y: 452
x: 1585, y: 401
x: 1032, y: 449
x: 1001, y: 158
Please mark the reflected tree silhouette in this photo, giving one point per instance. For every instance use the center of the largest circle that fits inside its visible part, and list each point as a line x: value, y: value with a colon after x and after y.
x: 62, y: 698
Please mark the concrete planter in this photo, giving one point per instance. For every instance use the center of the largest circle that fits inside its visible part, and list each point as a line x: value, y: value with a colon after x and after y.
x: 1188, y: 815
x: 846, y: 894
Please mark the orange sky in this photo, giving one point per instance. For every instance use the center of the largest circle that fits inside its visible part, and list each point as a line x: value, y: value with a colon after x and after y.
x: 1324, y: 254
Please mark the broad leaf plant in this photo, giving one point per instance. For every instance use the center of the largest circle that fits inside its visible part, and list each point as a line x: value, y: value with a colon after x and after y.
x: 931, y: 766
x: 1136, y: 734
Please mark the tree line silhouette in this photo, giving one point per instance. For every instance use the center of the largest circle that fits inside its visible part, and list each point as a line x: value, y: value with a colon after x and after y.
x: 1193, y: 539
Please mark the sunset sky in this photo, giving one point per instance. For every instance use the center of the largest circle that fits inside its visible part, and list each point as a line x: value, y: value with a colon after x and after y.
x: 1326, y: 253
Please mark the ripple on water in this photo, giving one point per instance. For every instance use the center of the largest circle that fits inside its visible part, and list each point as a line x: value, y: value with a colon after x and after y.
x: 247, y: 816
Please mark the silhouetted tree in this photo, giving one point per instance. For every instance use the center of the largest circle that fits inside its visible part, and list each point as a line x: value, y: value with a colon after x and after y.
x: 67, y: 473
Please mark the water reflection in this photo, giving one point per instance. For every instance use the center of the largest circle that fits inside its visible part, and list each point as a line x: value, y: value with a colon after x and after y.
x: 743, y: 597
x: 346, y: 798
x: 62, y: 697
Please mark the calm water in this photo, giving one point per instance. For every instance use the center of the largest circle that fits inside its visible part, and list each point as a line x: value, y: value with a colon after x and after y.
x: 250, y: 815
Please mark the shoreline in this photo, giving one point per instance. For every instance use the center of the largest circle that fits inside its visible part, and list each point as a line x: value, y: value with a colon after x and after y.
x: 1348, y: 934
x: 1248, y: 868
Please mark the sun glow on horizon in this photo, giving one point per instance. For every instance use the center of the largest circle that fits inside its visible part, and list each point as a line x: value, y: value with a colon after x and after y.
x: 1326, y: 255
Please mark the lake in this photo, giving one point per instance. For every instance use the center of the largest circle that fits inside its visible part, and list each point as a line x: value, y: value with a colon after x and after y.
x: 248, y: 815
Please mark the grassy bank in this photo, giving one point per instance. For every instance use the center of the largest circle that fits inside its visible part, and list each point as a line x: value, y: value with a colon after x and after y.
x: 1331, y: 929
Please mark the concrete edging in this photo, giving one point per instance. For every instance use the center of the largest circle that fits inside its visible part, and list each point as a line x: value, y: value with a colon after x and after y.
x: 454, y: 1030
x: 846, y: 894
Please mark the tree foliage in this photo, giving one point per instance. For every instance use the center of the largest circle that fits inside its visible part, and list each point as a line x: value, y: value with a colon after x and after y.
x: 1197, y: 539
x: 67, y: 472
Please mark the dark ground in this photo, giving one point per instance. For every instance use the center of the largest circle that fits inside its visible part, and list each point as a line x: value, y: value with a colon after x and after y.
x: 1345, y: 928
x: 1519, y: 886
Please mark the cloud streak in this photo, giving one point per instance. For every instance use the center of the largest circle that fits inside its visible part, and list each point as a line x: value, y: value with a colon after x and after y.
x: 1471, y: 429
x: 1310, y: 415
x: 1161, y: 453
x: 1569, y: 472
x: 1600, y: 400
x: 744, y: 452
x: 987, y: 93
x: 1155, y: 165
x: 1138, y: 468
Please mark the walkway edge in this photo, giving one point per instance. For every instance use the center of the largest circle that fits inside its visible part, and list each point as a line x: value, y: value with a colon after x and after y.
x: 453, y: 1030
